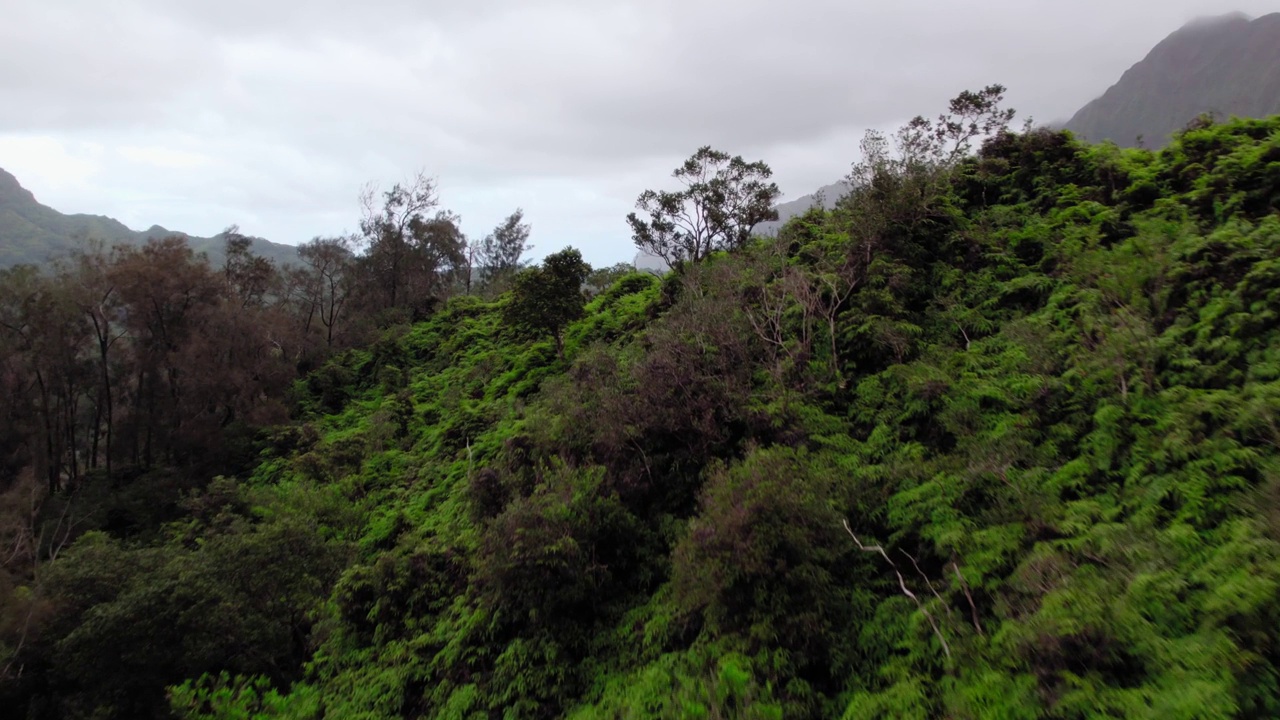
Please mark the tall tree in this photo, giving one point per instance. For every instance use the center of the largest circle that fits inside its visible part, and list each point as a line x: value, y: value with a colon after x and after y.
x: 47, y: 331
x: 167, y: 292
x: 96, y: 294
x: 926, y: 147
x: 545, y: 299
x: 498, y: 255
x: 249, y: 276
x: 327, y: 283
x: 410, y: 251
x: 724, y: 198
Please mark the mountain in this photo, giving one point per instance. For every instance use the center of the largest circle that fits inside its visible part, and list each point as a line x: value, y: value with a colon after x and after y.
x: 34, y: 233
x: 1226, y: 65
x: 827, y: 195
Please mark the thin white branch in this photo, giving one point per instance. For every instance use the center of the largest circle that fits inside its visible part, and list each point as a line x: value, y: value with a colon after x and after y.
x: 926, y: 581
x: 902, y: 583
x: 972, y: 607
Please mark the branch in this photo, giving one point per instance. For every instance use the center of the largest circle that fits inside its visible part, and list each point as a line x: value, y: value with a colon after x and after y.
x: 972, y: 607
x: 926, y: 581
x: 902, y: 583
x: 644, y: 457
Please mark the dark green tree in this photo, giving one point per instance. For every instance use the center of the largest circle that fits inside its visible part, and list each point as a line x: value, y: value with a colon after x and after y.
x: 724, y: 198
x: 544, y: 299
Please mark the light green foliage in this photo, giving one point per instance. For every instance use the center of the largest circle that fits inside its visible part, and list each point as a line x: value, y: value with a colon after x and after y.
x: 239, y: 698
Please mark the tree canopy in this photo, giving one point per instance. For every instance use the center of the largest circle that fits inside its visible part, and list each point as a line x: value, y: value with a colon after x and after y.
x: 723, y: 199
x: 549, y: 297
x: 498, y: 255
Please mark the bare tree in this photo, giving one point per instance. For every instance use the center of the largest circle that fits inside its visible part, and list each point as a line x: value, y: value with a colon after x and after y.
x: 328, y: 282
x: 902, y: 584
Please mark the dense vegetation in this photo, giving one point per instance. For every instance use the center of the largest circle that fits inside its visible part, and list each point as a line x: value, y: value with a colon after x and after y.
x: 995, y: 437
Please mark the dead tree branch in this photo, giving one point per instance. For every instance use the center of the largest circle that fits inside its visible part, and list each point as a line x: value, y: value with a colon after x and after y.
x: 926, y: 580
x: 902, y: 583
x: 972, y: 607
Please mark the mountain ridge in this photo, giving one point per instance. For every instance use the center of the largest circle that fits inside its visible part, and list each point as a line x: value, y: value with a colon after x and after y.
x: 1225, y: 65
x: 34, y: 233
x: 1105, y: 117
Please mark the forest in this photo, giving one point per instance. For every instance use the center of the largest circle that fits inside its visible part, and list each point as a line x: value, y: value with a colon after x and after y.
x: 996, y: 437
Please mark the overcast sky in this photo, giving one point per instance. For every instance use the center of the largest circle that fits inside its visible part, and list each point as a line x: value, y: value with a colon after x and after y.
x: 272, y: 114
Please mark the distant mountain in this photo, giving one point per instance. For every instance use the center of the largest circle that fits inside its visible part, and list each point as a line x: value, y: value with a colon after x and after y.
x: 827, y: 195
x: 34, y: 233
x: 1226, y: 65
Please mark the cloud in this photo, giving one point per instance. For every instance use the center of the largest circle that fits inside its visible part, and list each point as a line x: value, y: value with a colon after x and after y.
x: 45, y: 161
x: 163, y: 157
x: 273, y: 114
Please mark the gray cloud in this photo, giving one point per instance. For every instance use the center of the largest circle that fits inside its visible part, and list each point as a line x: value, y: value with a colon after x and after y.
x: 272, y: 114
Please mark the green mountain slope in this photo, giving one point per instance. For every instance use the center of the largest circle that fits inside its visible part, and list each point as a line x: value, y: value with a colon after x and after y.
x: 996, y: 444
x: 34, y: 233
x: 1228, y: 66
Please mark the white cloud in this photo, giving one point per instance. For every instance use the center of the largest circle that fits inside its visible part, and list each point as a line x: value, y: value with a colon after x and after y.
x: 49, y: 163
x: 163, y: 157
x: 273, y: 114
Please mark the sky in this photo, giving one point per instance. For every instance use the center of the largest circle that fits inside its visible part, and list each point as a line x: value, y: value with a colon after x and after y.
x: 274, y: 114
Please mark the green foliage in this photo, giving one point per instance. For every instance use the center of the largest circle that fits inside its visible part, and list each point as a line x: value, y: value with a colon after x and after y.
x: 994, y: 437
x: 766, y: 561
x: 723, y: 199
x: 227, y: 591
x: 547, y: 298
x: 240, y: 698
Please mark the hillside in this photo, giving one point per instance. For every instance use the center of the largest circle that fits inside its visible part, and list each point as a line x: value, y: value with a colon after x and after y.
x: 34, y: 233
x: 991, y: 441
x: 1228, y: 66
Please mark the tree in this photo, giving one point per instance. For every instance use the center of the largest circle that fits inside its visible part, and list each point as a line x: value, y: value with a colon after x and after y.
x: 167, y: 293
x: 44, y: 331
x: 327, y: 282
x: 546, y: 298
x: 723, y: 200
x: 602, y: 278
x: 249, y: 277
x: 96, y: 295
x: 409, y: 251
x: 498, y: 255
x: 929, y: 146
